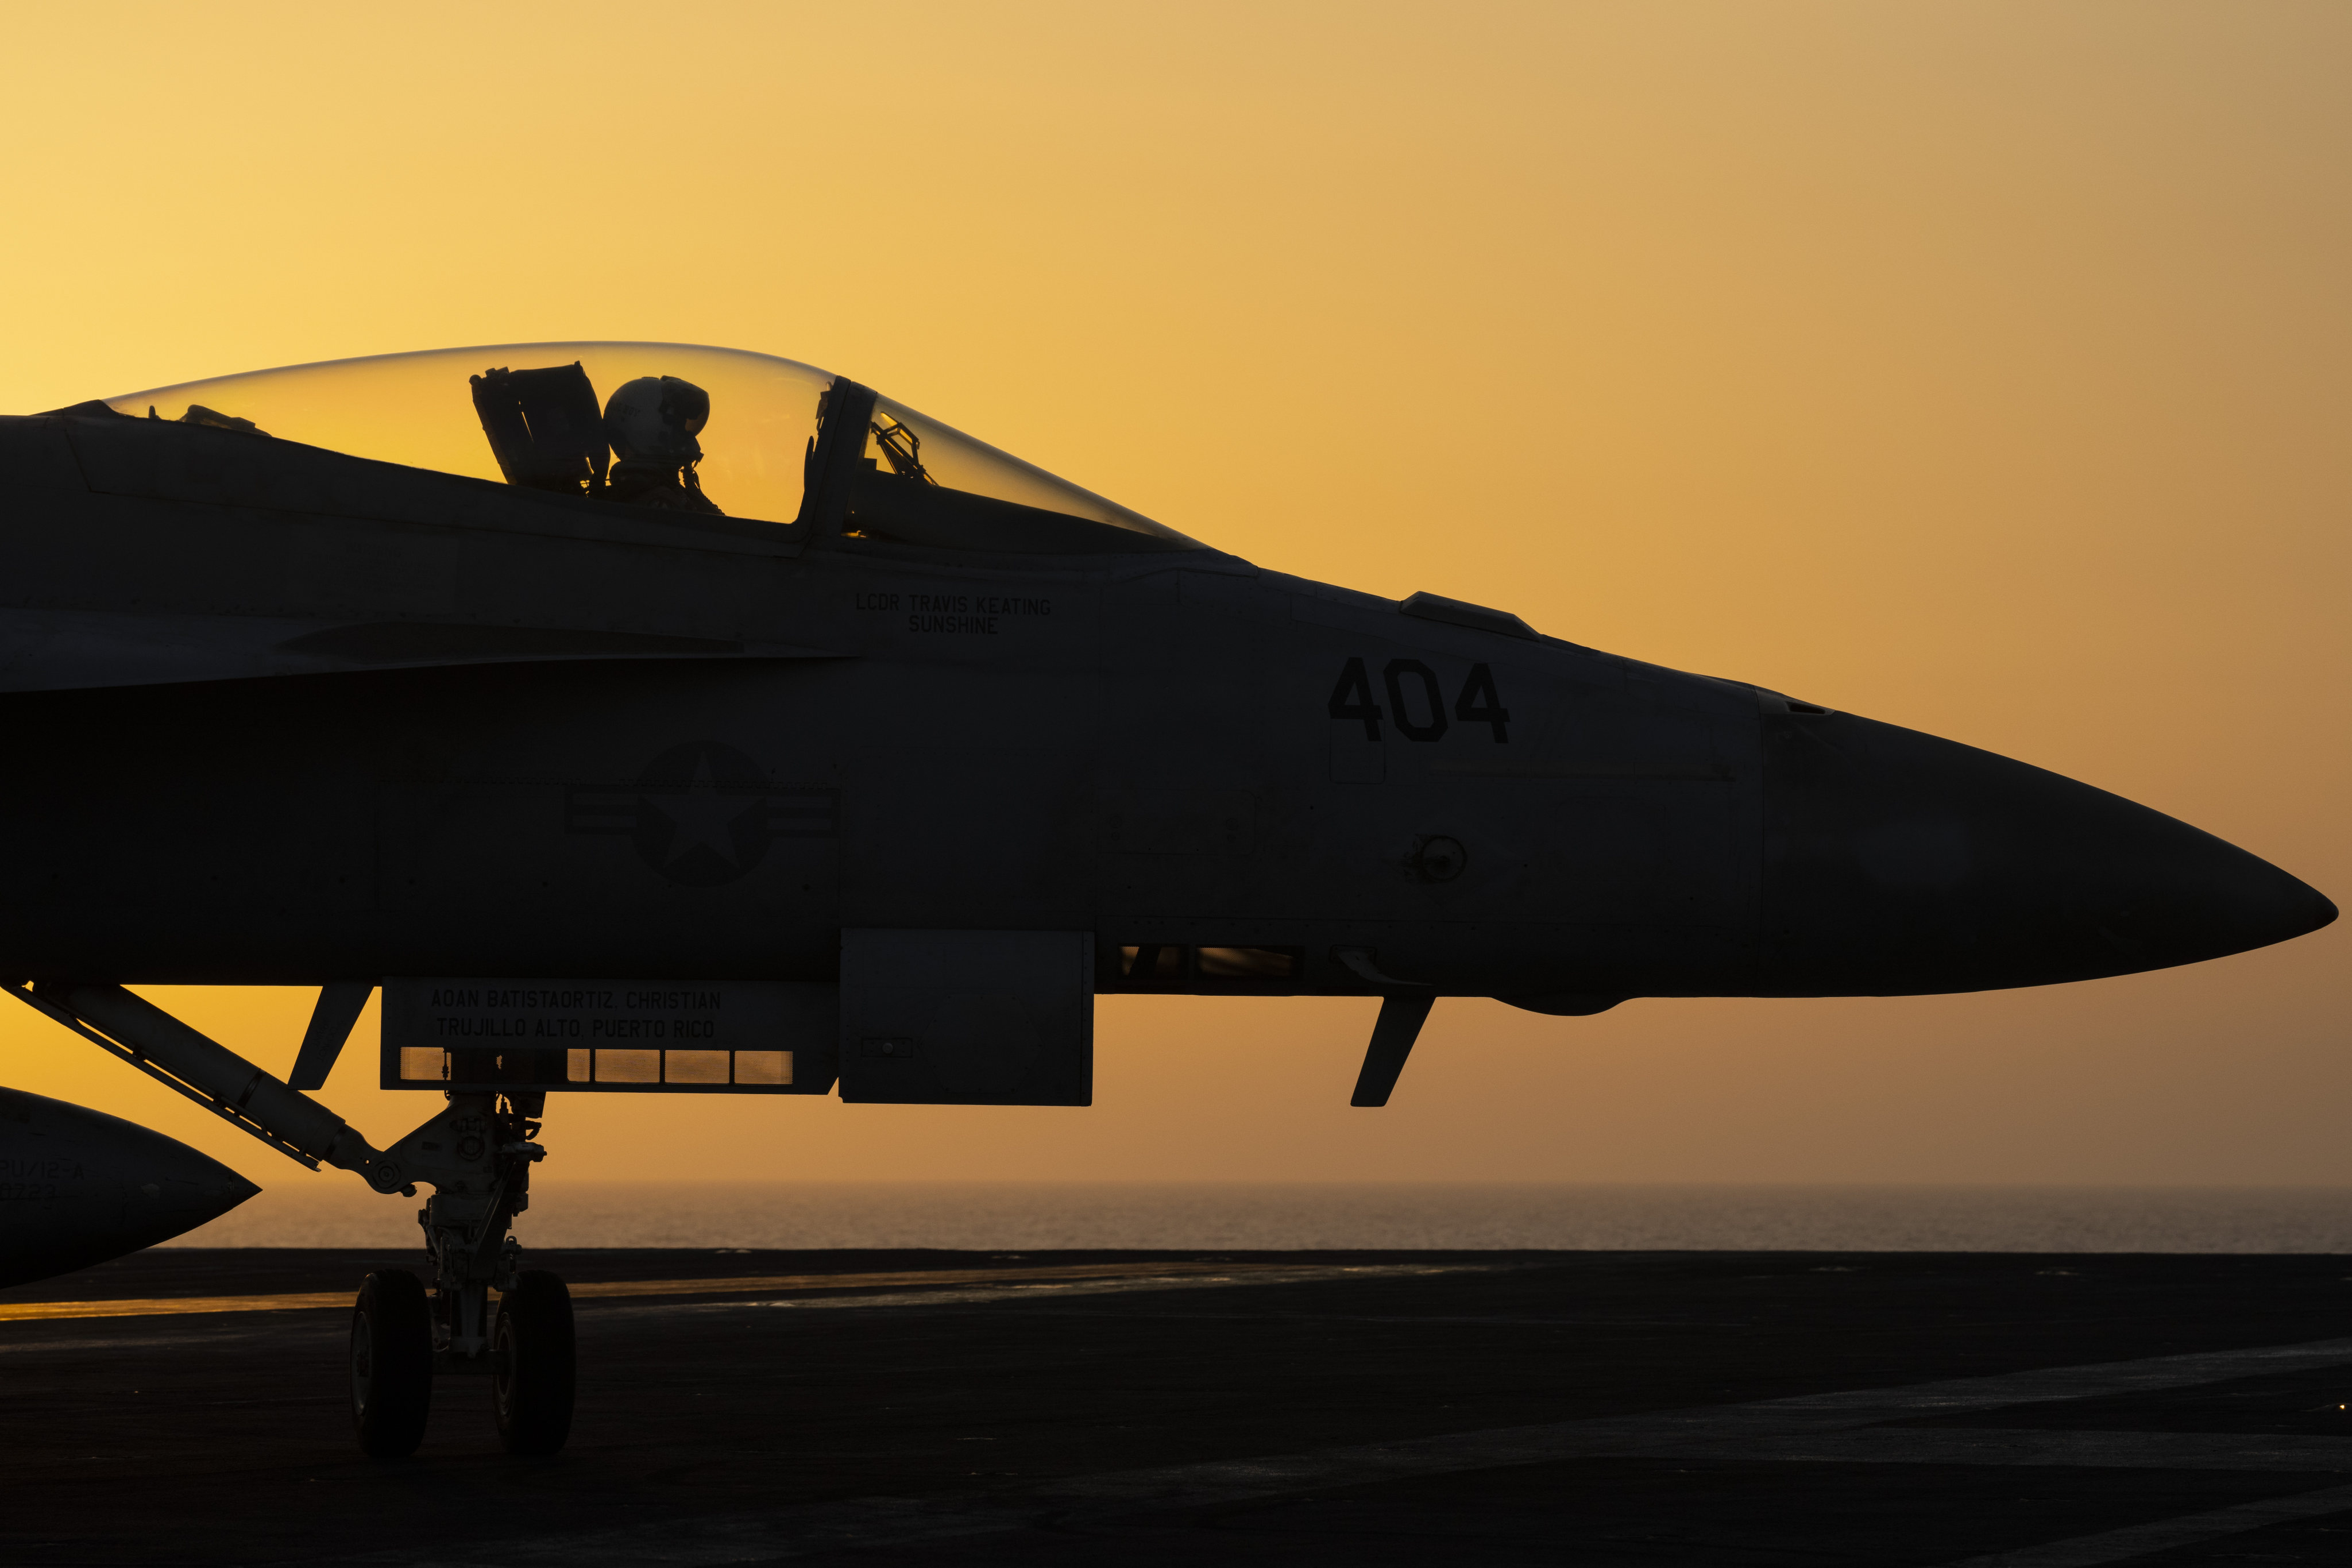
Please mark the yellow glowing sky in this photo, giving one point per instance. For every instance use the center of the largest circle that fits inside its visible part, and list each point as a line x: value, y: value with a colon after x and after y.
x: 1979, y: 367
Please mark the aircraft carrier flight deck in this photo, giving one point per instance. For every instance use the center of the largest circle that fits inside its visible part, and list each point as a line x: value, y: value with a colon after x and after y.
x: 186, y: 1407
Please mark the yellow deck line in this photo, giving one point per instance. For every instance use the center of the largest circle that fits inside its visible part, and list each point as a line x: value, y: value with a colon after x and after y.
x: 165, y: 1306
x: 160, y: 1306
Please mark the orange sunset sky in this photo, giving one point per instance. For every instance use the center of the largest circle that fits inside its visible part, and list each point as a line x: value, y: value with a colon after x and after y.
x: 1983, y: 367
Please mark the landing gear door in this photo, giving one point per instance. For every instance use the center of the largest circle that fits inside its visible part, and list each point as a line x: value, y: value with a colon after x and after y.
x: 967, y: 1017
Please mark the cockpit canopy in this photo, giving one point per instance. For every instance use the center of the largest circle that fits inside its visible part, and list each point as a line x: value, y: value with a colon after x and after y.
x: 671, y: 426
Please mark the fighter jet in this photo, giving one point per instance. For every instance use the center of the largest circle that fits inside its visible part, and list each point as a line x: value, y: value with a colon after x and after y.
x: 647, y: 718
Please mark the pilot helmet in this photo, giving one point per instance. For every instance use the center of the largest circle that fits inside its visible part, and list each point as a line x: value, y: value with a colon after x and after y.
x: 654, y: 418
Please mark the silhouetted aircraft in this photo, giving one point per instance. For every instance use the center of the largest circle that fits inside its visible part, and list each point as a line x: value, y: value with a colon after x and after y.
x: 655, y: 720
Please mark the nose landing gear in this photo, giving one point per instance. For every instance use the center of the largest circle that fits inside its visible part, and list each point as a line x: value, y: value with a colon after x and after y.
x: 477, y: 1155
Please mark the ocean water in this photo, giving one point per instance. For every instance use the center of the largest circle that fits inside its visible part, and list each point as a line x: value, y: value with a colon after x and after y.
x: 334, y: 1210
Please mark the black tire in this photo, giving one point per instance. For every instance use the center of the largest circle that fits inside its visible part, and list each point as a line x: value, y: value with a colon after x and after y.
x: 391, y: 1365
x: 531, y: 1390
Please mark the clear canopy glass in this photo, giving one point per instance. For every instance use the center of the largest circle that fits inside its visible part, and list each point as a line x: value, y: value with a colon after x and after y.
x: 750, y: 454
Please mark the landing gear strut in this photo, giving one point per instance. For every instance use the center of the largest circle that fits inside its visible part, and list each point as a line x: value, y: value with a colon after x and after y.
x: 477, y: 1155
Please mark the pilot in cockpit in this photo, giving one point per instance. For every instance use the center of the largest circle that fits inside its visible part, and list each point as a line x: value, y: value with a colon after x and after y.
x: 652, y: 423
x: 546, y: 432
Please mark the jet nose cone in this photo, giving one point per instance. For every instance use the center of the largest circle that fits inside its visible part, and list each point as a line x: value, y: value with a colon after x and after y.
x: 1897, y: 863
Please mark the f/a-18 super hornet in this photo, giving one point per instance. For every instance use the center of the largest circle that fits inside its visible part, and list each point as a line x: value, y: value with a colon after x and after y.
x: 654, y: 720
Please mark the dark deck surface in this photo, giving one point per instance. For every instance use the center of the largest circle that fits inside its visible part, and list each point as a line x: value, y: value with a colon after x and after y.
x: 1372, y: 1408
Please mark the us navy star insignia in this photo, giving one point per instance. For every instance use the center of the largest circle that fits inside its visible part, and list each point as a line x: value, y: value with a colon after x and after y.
x: 703, y: 818
x: 702, y: 814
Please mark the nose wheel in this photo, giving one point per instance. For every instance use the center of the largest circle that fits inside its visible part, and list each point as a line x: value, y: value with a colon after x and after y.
x: 391, y: 1365
x: 534, y: 1365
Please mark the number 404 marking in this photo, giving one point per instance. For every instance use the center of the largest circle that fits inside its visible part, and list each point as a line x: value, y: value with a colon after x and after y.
x: 1479, y: 703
